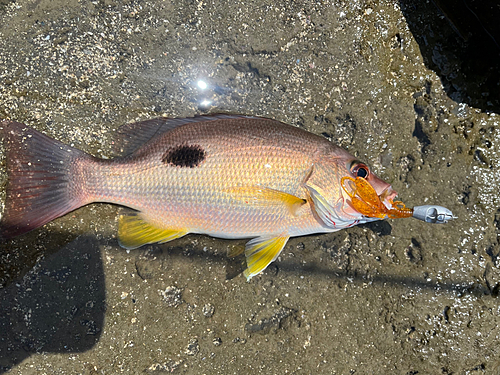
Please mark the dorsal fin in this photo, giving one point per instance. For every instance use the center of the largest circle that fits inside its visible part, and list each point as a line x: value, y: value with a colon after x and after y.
x: 132, y: 136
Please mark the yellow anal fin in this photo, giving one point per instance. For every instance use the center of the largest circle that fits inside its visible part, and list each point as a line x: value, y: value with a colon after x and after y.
x: 134, y: 231
x: 260, y: 252
x: 263, y: 196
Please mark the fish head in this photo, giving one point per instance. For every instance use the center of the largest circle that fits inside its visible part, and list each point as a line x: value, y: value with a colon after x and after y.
x: 344, y: 192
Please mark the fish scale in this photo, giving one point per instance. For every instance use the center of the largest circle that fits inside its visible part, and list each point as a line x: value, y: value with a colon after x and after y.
x: 227, y: 176
x: 203, y: 187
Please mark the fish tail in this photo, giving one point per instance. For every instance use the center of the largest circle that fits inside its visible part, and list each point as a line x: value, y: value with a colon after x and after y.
x: 41, y: 183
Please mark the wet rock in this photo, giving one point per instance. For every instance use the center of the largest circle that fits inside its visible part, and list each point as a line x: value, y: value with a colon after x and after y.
x: 464, y: 196
x: 464, y: 52
x: 446, y: 314
x: 208, y: 310
x: 92, y: 327
x: 144, y: 269
x: 405, y: 165
x: 278, y: 321
x: 492, y: 278
x: 172, y: 296
x: 193, y: 347
x: 479, y: 369
x: 235, y: 266
x: 166, y: 367
x: 239, y: 340
x: 380, y: 228
x: 57, y: 306
x: 339, y: 129
x: 496, y: 221
x: 147, y: 264
x: 413, y: 252
x: 354, y: 63
x: 338, y: 248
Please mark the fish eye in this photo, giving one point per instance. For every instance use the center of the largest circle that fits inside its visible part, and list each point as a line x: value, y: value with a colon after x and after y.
x: 360, y: 170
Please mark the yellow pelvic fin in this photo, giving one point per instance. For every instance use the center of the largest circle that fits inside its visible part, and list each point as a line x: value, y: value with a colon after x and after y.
x: 134, y: 231
x: 261, y: 251
x: 263, y: 196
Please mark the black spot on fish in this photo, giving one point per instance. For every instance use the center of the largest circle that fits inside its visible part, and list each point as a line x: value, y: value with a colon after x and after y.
x: 184, y: 156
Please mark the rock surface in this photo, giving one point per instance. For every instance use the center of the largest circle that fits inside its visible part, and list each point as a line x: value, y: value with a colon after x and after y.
x: 401, y: 296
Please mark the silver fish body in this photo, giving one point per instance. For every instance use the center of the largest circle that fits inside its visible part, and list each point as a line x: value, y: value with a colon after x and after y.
x: 223, y: 175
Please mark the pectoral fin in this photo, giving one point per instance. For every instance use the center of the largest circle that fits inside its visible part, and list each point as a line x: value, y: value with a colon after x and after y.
x: 263, y: 196
x: 261, y: 251
x: 134, y: 231
x: 328, y: 214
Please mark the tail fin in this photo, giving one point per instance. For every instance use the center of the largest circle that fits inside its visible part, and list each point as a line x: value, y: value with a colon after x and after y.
x: 40, y: 179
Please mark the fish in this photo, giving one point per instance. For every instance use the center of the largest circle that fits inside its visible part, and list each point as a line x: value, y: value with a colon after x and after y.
x: 226, y: 176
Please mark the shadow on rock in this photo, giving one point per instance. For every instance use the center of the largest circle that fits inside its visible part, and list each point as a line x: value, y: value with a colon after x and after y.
x: 460, y: 41
x: 58, y: 306
x: 151, y: 257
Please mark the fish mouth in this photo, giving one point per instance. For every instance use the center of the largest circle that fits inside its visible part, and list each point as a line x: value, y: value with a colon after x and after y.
x: 386, y: 196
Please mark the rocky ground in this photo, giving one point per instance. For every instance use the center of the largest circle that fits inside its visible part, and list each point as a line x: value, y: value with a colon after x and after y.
x: 378, y: 78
